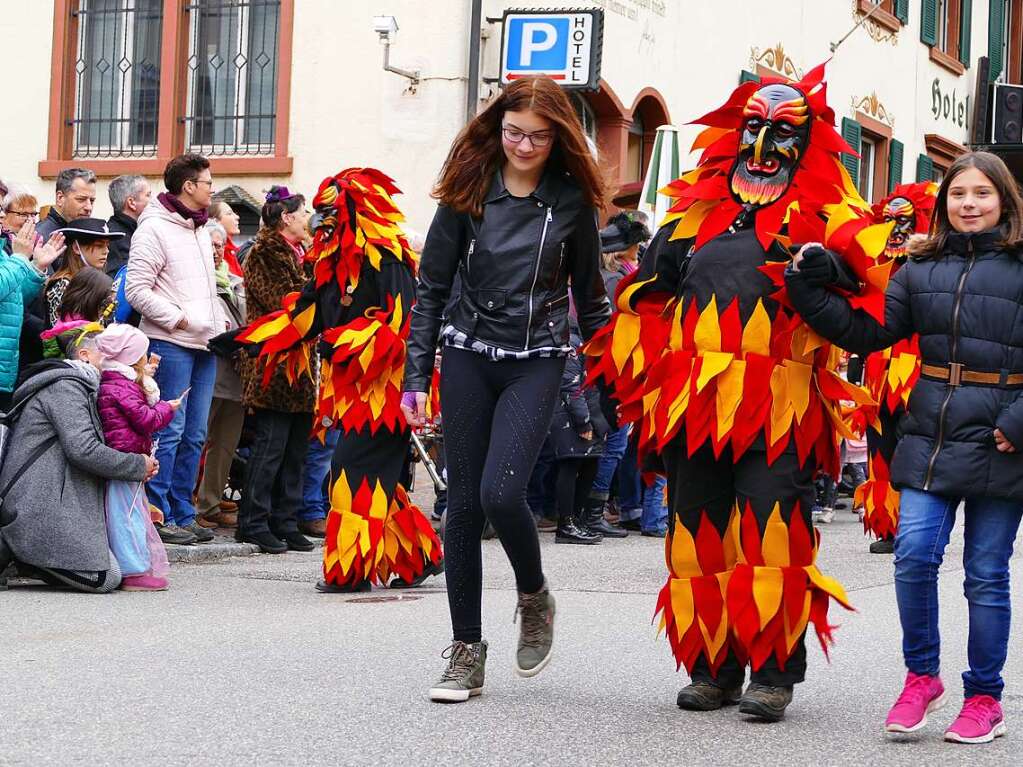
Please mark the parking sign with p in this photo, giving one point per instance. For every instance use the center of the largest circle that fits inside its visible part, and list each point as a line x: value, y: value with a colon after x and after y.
x: 562, y: 45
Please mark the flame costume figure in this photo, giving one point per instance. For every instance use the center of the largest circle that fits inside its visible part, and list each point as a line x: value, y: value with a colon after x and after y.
x: 359, y: 304
x: 889, y: 375
x: 736, y: 394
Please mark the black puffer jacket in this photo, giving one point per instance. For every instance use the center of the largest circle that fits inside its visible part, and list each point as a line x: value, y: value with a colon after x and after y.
x: 514, y: 266
x: 967, y: 307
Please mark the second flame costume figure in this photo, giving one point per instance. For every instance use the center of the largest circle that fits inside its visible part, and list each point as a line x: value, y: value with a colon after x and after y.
x: 736, y: 394
x: 358, y: 303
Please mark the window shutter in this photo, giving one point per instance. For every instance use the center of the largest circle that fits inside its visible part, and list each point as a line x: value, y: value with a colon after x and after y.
x: 852, y: 133
x: 748, y: 77
x: 929, y: 22
x: 894, y: 165
x: 902, y: 11
x: 965, y: 31
x: 996, y: 20
x: 924, y: 168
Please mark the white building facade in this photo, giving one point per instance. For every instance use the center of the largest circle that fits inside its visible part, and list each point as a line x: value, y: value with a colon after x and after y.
x: 290, y: 91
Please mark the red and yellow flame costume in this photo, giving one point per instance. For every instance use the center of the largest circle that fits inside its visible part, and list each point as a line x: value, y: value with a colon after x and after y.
x: 889, y: 376
x: 359, y: 304
x: 720, y: 376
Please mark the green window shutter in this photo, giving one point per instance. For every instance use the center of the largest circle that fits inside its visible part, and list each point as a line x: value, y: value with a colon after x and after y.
x: 902, y: 11
x: 965, y: 31
x: 924, y: 168
x: 929, y: 22
x: 894, y: 165
x: 748, y: 77
x: 996, y: 20
x: 852, y: 133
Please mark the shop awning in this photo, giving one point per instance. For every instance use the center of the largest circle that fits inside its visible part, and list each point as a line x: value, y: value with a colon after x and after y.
x: 663, y: 169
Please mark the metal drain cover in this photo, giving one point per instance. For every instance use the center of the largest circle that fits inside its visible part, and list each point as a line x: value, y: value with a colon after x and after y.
x: 374, y: 600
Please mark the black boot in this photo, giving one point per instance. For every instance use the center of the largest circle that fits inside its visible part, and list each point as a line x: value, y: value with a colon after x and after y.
x: 883, y: 546
x: 593, y: 520
x: 570, y: 532
x: 704, y: 696
x: 6, y: 560
x: 765, y: 702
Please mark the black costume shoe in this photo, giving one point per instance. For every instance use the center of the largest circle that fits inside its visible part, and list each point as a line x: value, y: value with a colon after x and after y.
x: 349, y: 588
x: 704, y: 696
x: 593, y: 520
x: 268, y: 542
x: 884, y: 546
x: 430, y: 569
x: 570, y: 532
x: 631, y: 525
x: 764, y: 702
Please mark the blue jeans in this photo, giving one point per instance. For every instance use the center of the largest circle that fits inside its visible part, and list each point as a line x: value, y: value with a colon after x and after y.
x: 315, y: 501
x: 630, y: 484
x: 181, y: 441
x: 925, y: 524
x: 655, y: 510
x: 614, y: 450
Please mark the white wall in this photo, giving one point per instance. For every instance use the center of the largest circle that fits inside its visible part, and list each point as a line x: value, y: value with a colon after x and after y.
x: 345, y: 110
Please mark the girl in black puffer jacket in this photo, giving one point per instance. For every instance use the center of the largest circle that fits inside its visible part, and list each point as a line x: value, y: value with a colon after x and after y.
x: 578, y: 431
x: 962, y: 436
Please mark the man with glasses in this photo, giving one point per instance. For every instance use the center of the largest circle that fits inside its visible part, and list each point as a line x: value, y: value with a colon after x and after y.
x: 76, y: 194
x: 171, y: 282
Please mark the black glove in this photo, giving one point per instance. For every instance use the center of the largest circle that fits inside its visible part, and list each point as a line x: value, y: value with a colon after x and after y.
x: 821, y: 268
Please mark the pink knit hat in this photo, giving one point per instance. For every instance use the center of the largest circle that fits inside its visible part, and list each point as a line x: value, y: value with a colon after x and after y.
x: 122, y: 343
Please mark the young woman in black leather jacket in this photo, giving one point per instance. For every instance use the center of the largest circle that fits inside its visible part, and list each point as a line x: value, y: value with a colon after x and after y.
x: 961, y: 437
x: 516, y: 228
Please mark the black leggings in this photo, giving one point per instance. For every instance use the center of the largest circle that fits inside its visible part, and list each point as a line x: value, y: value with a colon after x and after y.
x: 575, y: 478
x: 496, y: 417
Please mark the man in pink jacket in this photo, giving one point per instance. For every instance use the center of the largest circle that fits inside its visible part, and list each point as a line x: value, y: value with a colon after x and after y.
x: 171, y: 283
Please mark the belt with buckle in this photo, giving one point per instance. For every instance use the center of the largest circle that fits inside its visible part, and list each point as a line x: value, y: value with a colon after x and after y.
x: 957, y: 374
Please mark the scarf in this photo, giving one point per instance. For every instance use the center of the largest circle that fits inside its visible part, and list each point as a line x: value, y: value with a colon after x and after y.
x: 174, y: 205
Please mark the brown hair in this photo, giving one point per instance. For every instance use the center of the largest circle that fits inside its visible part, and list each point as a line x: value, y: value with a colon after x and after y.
x: 477, y: 153
x: 1008, y: 193
x: 86, y: 295
x: 184, y: 167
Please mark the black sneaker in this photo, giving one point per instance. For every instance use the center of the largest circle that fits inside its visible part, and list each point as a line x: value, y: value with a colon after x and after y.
x: 765, y: 702
x: 202, y: 534
x: 172, y: 534
x: 268, y: 542
x: 704, y: 696
x: 295, y: 541
x: 886, y: 546
x: 430, y: 569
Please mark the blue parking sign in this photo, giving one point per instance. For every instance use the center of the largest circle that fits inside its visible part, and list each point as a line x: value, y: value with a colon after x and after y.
x: 565, y: 46
x: 537, y: 44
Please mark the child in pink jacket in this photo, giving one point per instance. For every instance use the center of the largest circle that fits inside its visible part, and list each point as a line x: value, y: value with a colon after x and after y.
x: 131, y: 411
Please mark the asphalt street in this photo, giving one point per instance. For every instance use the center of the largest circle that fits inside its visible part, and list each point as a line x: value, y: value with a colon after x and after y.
x: 243, y: 663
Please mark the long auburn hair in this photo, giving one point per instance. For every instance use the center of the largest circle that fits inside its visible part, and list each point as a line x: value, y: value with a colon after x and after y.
x: 1011, y: 219
x: 478, y: 153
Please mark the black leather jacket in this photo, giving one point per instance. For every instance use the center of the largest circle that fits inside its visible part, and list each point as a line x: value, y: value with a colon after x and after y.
x: 514, y: 267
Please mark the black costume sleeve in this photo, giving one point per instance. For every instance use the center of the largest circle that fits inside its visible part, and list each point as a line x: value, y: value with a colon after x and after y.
x: 852, y: 329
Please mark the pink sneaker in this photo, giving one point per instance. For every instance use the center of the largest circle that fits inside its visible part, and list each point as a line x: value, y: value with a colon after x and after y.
x: 980, y: 721
x: 143, y: 583
x: 920, y: 696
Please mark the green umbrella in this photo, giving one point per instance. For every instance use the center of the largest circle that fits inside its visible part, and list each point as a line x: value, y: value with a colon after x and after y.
x: 663, y: 169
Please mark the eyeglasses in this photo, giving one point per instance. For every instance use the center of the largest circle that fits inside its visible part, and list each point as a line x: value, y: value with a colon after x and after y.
x: 207, y: 181
x: 539, y: 139
x: 24, y: 213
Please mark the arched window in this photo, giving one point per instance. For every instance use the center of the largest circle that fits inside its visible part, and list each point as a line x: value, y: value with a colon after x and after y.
x: 586, y: 115
x: 634, y: 164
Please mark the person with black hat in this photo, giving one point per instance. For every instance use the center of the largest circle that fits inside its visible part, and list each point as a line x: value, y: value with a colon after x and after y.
x: 88, y: 243
x: 620, y: 242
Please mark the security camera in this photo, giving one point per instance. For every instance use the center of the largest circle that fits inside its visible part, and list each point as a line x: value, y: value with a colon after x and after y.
x: 386, y: 27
